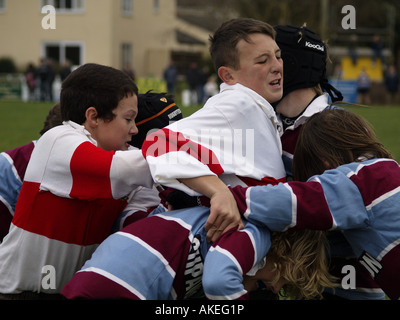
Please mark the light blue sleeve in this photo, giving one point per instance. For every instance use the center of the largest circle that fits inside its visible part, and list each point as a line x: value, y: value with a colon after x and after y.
x: 10, y: 184
x: 233, y: 256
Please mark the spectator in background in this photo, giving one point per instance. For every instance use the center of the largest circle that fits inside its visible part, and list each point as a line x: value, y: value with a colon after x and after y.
x: 392, y: 83
x: 194, y: 79
x: 42, y: 75
x: 51, y: 77
x: 377, y: 49
x: 65, y: 70
x: 353, y: 49
x: 30, y: 81
x: 363, y: 88
x: 170, y: 76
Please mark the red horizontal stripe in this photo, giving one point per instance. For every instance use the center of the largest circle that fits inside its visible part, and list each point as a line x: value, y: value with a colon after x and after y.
x: 21, y: 156
x: 146, y: 229
x: 90, y: 170
x: 389, y: 277
x: 164, y: 141
x: 175, y: 252
x: 81, y: 222
x: 243, y: 254
x: 372, y: 180
x: 289, y: 140
x: 239, y: 193
x: 90, y: 285
x: 312, y: 209
x: 251, y: 182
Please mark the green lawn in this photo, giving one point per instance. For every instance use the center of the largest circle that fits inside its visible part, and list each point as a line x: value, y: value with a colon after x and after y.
x: 385, y: 122
x: 20, y: 122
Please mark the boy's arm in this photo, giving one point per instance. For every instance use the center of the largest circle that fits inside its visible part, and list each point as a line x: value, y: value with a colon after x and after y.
x: 329, y: 201
x: 231, y: 258
x: 73, y: 167
x: 224, y: 213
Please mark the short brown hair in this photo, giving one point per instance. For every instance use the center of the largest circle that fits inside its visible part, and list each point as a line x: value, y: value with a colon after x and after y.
x: 224, y: 41
x: 94, y: 85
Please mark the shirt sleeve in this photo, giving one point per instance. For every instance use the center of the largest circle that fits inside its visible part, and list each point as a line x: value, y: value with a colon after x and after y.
x: 173, y: 155
x: 232, y: 257
x: 322, y: 203
x: 73, y: 167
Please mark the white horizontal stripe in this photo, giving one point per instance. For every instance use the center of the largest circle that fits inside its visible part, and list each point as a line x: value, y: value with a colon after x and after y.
x: 294, y: 207
x: 382, y: 198
x: 228, y: 297
x: 287, y: 154
x: 229, y: 255
x: 180, y: 222
x: 11, y: 161
x: 248, y: 202
x: 151, y: 249
x: 253, y: 243
x: 387, y: 249
x: 115, y: 279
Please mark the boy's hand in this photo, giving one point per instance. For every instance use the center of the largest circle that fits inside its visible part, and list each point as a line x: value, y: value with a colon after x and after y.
x: 224, y: 215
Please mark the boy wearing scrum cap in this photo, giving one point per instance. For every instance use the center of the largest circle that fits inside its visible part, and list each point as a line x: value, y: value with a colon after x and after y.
x: 305, y: 80
x: 155, y: 111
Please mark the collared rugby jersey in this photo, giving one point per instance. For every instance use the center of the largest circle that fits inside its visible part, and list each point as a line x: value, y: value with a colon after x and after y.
x: 234, y: 136
x: 360, y: 198
x: 167, y: 256
x: 72, y: 193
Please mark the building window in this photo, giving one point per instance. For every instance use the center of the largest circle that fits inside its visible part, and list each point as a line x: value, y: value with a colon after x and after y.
x: 66, y: 5
x: 156, y: 6
x: 2, y: 6
x: 62, y: 51
x: 126, y: 7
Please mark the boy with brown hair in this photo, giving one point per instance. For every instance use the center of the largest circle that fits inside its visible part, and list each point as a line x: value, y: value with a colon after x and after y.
x: 233, y: 139
x: 76, y: 184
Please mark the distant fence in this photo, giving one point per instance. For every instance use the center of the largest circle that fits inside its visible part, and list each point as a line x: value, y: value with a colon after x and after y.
x: 13, y: 87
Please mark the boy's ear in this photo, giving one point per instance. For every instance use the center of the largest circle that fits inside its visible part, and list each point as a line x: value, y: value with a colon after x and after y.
x: 91, y: 117
x: 226, y: 75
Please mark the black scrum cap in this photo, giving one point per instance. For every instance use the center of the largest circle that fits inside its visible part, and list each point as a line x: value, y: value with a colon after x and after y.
x: 155, y: 111
x: 304, y: 57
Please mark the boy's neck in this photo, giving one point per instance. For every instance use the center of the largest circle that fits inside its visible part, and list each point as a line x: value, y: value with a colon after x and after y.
x: 295, y: 102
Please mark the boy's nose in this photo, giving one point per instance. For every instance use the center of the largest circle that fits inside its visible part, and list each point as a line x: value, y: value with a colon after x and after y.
x: 134, y: 130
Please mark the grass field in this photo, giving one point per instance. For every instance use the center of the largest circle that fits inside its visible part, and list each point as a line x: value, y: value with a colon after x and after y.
x: 20, y: 122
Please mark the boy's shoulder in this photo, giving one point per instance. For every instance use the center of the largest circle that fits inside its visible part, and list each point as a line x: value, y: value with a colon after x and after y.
x: 68, y: 128
x: 235, y: 97
x: 67, y: 135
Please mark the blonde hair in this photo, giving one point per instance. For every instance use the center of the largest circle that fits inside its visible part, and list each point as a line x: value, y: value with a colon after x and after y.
x: 300, y: 258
